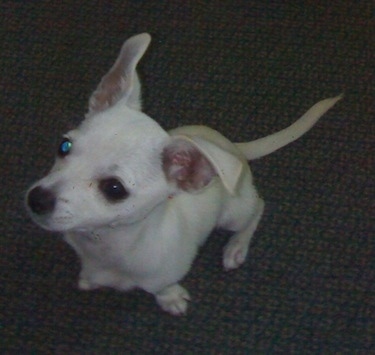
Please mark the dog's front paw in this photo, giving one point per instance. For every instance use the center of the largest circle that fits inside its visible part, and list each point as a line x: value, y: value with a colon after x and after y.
x: 235, y: 253
x: 173, y: 299
x: 85, y: 285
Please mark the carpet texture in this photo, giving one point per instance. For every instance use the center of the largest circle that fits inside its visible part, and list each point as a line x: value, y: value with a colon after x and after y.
x: 245, y: 68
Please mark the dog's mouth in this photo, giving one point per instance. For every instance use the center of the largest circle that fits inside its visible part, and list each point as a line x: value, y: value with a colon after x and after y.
x: 65, y: 221
x: 53, y: 223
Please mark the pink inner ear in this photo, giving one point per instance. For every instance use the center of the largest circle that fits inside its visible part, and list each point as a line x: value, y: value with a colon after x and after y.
x: 108, y: 91
x: 187, y: 167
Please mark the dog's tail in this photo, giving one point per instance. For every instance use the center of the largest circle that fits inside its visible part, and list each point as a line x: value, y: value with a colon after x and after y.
x: 266, y: 145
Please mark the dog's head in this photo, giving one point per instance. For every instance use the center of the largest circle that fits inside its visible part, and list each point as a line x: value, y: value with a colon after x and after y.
x: 119, y: 164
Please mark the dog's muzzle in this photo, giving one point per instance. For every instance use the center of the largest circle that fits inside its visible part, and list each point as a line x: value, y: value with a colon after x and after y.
x: 41, y: 201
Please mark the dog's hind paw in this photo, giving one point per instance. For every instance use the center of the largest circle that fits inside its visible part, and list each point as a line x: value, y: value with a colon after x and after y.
x: 173, y: 299
x: 235, y: 253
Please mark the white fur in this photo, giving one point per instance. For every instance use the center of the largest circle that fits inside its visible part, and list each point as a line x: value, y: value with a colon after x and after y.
x: 180, y: 185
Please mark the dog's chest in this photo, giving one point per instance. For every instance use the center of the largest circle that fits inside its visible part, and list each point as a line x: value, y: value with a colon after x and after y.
x: 95, y: 247
x: 114, y: 251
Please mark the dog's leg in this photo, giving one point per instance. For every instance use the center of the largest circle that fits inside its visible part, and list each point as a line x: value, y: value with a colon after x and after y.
x: 235, y: 251
x: 85, y: 285
x: 102, y: 278
x: 173, y: 299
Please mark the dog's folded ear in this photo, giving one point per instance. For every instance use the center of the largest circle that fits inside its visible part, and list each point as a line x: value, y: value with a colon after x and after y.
x: 121, y: 82
x: 192, y: 162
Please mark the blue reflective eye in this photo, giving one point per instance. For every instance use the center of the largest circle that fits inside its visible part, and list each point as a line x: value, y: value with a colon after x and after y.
x: 65, y: 147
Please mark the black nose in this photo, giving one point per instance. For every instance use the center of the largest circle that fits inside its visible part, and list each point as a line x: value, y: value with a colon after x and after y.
x: 41, y: 200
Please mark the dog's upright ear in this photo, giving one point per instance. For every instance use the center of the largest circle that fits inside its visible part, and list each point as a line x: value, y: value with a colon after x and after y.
x: 192, y: 162
x: 121, y: 82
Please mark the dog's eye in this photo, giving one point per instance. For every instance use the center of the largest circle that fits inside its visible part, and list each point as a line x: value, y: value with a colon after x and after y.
x: 112, y: 189
x: 64, y: 147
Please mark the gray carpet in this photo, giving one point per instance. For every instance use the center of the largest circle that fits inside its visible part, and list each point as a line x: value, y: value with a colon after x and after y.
x: 245, y: 68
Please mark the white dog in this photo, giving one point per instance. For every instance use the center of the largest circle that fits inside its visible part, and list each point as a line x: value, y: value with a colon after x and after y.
x: 136, y: 202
